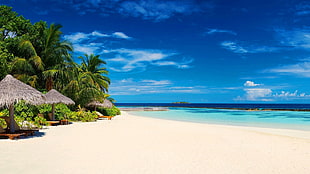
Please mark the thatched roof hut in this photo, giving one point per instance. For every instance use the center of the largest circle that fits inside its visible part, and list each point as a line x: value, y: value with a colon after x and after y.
x: 12, y: 91
x: 105, y: 104
x: 54, y: 97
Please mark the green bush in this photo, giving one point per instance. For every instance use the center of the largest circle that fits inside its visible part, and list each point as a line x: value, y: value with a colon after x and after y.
x: 3, y: 113
x: 61, y: 111
x: 25, y: 115
x: 109, y: 111
x: 82, y: 115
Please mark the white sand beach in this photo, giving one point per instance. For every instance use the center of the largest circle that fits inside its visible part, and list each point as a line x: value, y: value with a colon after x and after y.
x: 138, y: 145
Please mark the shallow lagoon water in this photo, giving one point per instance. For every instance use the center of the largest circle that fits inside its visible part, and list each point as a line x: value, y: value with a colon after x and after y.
x: 271, y: 119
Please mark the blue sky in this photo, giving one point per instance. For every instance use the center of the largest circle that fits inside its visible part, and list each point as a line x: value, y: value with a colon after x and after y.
x: 201, y: 51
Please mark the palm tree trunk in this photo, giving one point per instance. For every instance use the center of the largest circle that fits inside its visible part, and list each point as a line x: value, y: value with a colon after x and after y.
x: 12, y: 121
x: 53, y: 112
x: 49, y: 83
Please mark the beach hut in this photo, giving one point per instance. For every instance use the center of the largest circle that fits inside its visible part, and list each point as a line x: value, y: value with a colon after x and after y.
x: 105, y: 104
x: 54, y: 97
x: 12, y: 91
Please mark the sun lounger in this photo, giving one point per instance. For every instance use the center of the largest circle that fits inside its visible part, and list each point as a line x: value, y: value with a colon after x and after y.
x: 19, y: 130
x: 103, y: 116
x: 11, y: 136
x: 53, y: 123
x: 108, y: 117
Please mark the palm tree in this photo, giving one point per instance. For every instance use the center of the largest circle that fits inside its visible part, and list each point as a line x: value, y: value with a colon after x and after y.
x: 25, y: 68
x: 55, y: 54
x: 92, y: 69
x: 87, y: 81
x: 44, y: 54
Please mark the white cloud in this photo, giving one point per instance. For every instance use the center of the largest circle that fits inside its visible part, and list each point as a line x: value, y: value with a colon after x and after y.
x: 258, y: 94
x: 150, y: 86
x: 156, y: 82
x: 120, y: 35
x: 90, y: 42
x: 250, y: 83
x: 234, y: 47
x: 126, y: 60
x: 80, y: 37
x: 297, y: 38
x: 254, y: 93
x: 300, y: 69
x: 85, y: 48
x: 76, y: 37
x: 237, y: 48
x: 214, y: 31
x: 96, y: 33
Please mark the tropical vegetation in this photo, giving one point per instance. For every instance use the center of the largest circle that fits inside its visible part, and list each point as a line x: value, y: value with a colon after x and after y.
x: 37, y: 54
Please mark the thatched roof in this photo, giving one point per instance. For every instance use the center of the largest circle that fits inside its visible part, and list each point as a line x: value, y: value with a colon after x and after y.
x: 105, y: 104
x: 54, y: 97
x: 13, y: 90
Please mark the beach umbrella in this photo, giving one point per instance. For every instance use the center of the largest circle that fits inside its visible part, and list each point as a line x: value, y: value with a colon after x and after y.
x: 105, y: 104
x: 54, y: 97
x: 12, y: 91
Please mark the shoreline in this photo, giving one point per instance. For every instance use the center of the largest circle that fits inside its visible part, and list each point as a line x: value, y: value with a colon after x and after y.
x: 162, y: 108
x: 294, y: 133
x: 130, y: 144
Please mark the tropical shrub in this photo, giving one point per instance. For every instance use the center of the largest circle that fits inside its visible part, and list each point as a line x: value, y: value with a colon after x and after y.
x: 82, y: 115
x: 3, y: 113
x: 109, y: 111
x: 25, y: 116
x: 61, y: 110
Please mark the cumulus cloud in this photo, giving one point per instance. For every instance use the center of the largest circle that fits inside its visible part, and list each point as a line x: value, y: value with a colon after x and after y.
x: 126, y: 60
x: 255, y: 93
x: 250, y: 83
x: 258, y: 94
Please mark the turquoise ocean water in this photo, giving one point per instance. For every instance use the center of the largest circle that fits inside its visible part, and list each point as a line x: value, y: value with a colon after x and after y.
x: 298, y: 120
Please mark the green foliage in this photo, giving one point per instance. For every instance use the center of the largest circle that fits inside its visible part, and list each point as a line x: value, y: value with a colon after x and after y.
x: 37, y: 55
x: 109, y: 111
x: 61, y: 111
x: 45, y: 109
x: 84, y: 116
x: 3, y: 113
x: 25, y: 111
x: 27, y: 115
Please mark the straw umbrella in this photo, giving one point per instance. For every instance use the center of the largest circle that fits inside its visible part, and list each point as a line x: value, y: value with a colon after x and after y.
x: 12, y: 91
x: 54, y: 97
x: 105, y: 104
